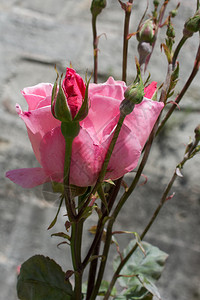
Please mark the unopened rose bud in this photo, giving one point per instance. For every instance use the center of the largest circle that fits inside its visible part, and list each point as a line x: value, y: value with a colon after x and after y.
x: 156, y: 2
x: 144, y: 49
x: 197, y: 133
x: 193, y: 24
x: 97, y: 6
x: 60, y: 108
x: 170, y: 31
x: 70, y: 99
x: 146, y: 32
x: 133, y: 95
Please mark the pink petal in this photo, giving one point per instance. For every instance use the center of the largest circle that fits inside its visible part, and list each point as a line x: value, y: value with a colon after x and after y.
x: 38, y: 123
x: 85, y: 161
x: 102, y: 111
x: 125, y: 155
x: 28, y: 178
x: 150, y: 90
x: 35, y: 94
x: 143, y: 118
x: 111, y: 88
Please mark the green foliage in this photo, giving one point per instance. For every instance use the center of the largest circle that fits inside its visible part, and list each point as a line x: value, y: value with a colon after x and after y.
x: 141, y: 272
x: 41, y: 278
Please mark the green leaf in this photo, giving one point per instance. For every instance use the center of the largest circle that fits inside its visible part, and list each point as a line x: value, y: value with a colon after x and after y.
x: 41, y: 278
x: 141, y: 271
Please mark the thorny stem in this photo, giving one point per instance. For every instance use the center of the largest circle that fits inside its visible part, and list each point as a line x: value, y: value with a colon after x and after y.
x: 183, y: 91
x: 95, y: 47
x: 67, y: 192
x: 125, y: 42
x: 76, y: 241
x: 76, y: 227
x: 177, y: 50
x: 163, y: 199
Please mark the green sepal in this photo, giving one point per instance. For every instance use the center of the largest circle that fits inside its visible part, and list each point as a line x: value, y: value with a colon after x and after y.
x: 54, y: 94
x: 61, y: 108
x: 57, y: 187
x: 41, y: 278
x: 83, y: 111
x: 70, y: 129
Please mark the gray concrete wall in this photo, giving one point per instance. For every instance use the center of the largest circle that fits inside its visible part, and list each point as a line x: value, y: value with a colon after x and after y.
x: 34, y: 35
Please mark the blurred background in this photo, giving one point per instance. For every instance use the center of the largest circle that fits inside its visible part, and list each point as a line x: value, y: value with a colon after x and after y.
x: 36, y: 35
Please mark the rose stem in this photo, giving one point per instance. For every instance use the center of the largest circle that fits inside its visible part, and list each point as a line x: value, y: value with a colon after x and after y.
x: 125, y: 42
x: 163, y: 199
x: 76, y: 227
x: 67, y: 192
x: 183, y: 91
x: 95, y: 47
x: 93, y: 267
x: 177, y: 50
x: 131, y: 188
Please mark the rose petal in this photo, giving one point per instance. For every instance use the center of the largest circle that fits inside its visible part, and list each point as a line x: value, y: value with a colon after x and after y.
x: 111, y: 88
x: 38, y: 123
x: 102, y: 111
x: 143, y: 118
x: 36, y: 93
x: 149, y: 91
x: 125, y: 155
x: 85, y: 161
x: 28, y: 178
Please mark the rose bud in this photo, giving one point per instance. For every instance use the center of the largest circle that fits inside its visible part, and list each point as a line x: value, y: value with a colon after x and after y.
x: 156, y: 2
x: 197, y: 133
x: 133, y: 95
x: 70, y: 100
x: 97, y: 6
x: 193, y: 24
x: 146, y: 32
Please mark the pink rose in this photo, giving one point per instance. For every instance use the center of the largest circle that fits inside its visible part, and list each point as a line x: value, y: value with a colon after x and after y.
x: 90, y: 146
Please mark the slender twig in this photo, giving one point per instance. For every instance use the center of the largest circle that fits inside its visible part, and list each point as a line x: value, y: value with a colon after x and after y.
x: 177, y: 50
x: 95, y: 47
x: 183, y: 91
x: 125, y: 42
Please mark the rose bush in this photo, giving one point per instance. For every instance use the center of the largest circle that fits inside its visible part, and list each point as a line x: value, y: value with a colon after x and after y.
x: 96, y: 130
